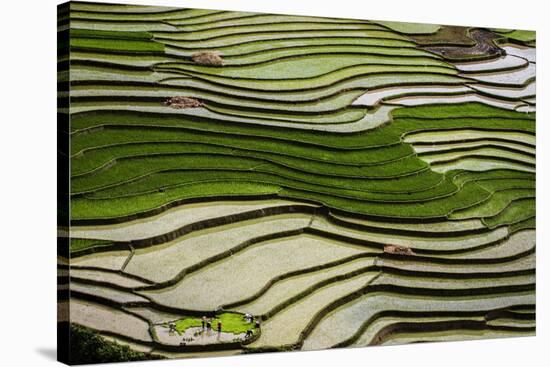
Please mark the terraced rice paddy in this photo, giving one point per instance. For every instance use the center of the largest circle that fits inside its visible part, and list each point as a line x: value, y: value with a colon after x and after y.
x: 345, y: 182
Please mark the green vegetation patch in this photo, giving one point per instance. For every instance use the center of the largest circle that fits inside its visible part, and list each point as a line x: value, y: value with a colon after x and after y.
x: 94, y: 33
x: 491, y: 175
x: 99, y: 158
x: 516, y: 212
x: 245, y: 132
x: 78, y: 244
x: 160, y: 181
x: 388, y: 135
x: 117, y: 44
x: 496, y: 204
x: 367, y: 156
x: 231, y: 323
x: 272, y: 158
x: 520, y: 35
x: 114, y: 41
x: 82, y: 208
x: 470, y: 110
x: 530, y: 223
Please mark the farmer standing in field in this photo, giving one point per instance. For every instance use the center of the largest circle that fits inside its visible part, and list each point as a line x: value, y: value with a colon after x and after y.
x: 219, y: 326
x: 203, y: 322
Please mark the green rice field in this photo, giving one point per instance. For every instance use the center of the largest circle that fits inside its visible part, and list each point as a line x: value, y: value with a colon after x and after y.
x: 305, y: 182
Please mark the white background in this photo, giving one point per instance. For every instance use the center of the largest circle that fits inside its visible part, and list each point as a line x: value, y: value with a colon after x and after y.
x: 28, y: 182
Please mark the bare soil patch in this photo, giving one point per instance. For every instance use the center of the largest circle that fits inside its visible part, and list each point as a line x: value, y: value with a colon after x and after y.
x: 181, y: 102
x: 484, y: 47
x: 207, y: 58
x: 398, y: 250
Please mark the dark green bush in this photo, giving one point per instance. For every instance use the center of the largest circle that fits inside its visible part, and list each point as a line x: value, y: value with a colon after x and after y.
x: 87, y: 347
